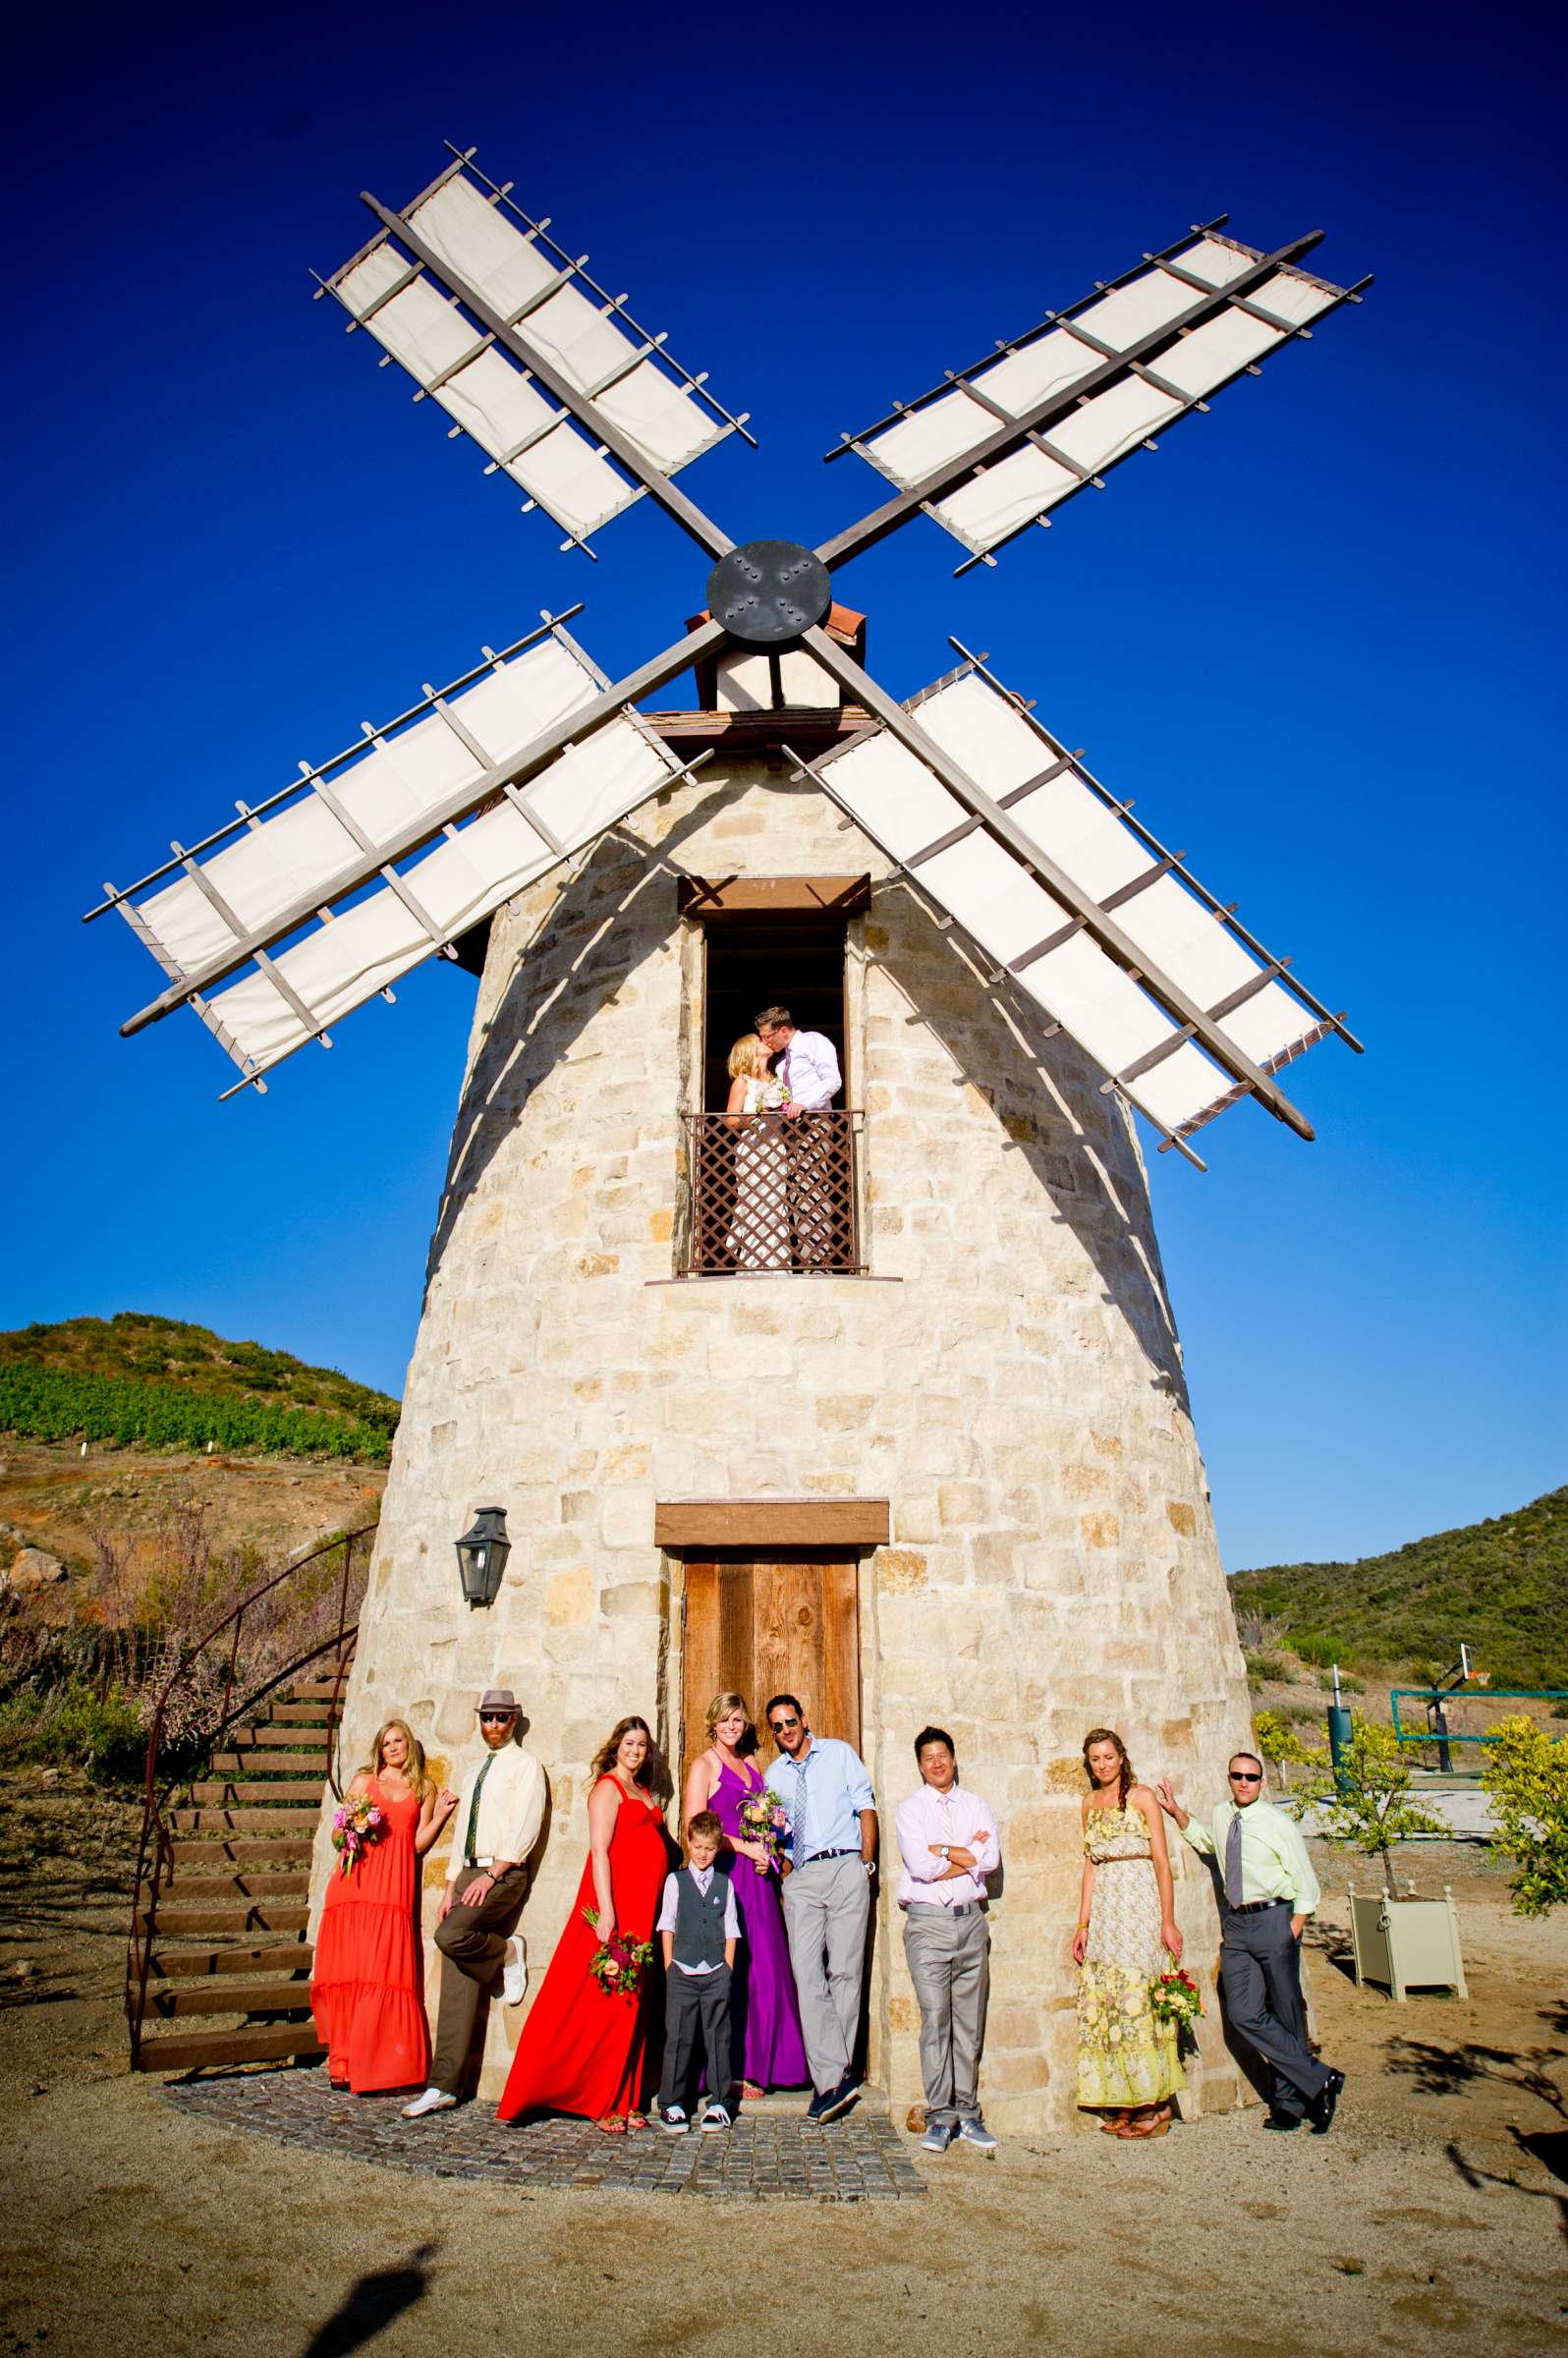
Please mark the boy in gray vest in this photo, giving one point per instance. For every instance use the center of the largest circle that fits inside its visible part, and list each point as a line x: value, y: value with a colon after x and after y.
x: 698, y: 1926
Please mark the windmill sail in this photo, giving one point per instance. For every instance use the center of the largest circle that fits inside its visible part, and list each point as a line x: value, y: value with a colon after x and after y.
x: 1158, y: 908
x: 1150, y: 364
x: 481, y: 247
x: 351, y: 822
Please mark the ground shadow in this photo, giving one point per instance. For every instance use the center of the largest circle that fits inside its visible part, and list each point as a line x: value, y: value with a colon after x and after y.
x: 372, y: 2305
x: 1439, y: 2070
x: 1477, y: 2179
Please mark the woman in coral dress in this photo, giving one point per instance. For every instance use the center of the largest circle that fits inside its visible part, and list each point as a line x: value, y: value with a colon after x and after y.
x: 765, y: 2013
x: 368, y: 1988
x: 1128, y: 2061
x: 583, y: 2049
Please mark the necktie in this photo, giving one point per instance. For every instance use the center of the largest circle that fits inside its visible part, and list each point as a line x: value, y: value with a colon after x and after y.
x: 1233, y: 1874
x: 486, y: 1766
x: 797, y: 1817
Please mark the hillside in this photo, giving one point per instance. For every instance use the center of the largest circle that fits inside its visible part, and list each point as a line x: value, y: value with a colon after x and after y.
x: 1500, y: 1585
x: 138, y: 1377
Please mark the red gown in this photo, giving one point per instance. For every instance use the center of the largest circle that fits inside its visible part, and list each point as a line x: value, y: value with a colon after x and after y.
x: 582, y: 2050
x: 366, y: 1991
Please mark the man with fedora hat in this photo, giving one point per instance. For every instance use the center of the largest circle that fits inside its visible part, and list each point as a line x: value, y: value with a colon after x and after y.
x: 500, y: 1810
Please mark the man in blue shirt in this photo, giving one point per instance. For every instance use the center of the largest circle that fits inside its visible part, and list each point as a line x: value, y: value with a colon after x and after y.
x: 831, y: 1808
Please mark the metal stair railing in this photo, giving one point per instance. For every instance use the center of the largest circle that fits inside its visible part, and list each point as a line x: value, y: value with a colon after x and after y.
x: 155, y: 1868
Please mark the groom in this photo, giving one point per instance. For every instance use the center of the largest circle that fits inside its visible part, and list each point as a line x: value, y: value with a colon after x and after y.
x: 498, y: 1820
x: 831, y: 1808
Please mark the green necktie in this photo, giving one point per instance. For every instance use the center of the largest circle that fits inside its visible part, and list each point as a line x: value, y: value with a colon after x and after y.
x: 486, y: 1766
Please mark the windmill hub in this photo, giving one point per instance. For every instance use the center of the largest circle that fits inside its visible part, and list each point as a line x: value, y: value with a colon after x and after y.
x: 769, y: 592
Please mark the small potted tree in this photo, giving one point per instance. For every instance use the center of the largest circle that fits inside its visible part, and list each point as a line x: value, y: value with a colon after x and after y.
x: 1363, y: 1803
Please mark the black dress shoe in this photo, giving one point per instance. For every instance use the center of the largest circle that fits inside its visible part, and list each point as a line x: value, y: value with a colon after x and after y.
x: 1321, y: 2112
x: 1282, y: 2122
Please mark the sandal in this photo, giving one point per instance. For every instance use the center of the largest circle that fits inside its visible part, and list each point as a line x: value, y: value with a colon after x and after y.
x: 637, y: 2121
x: 1159, y: 2126
x: 1116, y: 2126
x: 612, y: 2125
x: 749, y: 2092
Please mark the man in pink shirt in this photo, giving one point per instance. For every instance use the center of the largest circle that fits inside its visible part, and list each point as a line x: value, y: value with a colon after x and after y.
x: 808, y: 1065
x: 947, y: 1840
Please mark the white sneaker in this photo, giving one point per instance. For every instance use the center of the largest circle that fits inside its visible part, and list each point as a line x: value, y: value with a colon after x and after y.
x: 716, y: 2117
x: 673, y: 2120
x: 435, y: 2100
x: 515, y: 1973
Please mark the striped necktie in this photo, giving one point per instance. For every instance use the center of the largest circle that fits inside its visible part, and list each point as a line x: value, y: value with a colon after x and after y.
x: 486, y: 1765
x: 797, y: 1816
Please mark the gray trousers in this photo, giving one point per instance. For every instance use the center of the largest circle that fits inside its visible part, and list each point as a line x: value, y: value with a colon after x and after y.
x: 692, y: 2000
x: 950, y: 1965
x: 1260, y: 1980
x: 472, y: 1946
x: 827, y: 1905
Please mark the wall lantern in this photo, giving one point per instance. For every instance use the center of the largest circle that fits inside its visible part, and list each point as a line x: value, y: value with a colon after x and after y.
x: 481, y: 1555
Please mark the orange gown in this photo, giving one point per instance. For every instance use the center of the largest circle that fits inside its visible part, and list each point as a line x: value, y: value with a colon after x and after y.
x: 582, y: 2050
x: 368, y: 1988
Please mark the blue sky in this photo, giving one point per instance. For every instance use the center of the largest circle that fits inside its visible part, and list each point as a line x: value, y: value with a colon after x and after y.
x: 1314, y: 636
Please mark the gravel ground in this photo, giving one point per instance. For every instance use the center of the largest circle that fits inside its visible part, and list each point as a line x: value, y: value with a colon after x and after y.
x: 1435, y: 2217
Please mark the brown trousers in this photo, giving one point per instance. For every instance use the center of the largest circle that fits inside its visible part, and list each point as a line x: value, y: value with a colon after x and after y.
x: 472, y: 1946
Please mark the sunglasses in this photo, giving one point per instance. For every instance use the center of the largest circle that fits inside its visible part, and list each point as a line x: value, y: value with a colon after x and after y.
x: 495, y: 1719
x: 779, y: 1725
x: 1245, y: 1776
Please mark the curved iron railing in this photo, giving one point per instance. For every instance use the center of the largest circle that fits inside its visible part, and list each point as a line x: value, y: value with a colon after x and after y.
x: 155, y: 1868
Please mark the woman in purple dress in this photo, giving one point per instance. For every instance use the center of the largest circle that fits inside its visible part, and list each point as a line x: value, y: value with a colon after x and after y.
x: 764, y: 2015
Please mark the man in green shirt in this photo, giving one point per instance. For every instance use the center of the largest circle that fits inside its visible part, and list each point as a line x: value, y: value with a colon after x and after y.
x: 1269, y: 1891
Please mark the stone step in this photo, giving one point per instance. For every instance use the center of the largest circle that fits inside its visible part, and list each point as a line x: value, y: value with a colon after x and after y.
x: 291, y: 1849
x: 233, y: 1790
x: 197, y: 2050
x: 230, y: 1996
x: 297, y: 1819
x: 239, y: 1916
x: 184, y: 1964
x: 288, y: 1883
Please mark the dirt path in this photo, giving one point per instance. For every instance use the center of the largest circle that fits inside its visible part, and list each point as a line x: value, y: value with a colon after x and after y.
x: 1434, y: 2217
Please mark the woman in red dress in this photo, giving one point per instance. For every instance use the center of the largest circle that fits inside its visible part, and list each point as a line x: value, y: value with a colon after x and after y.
x: 366, y: 1991
x: 584, y: 2051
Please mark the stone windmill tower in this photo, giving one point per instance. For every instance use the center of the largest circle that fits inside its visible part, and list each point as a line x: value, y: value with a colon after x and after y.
x: 899, y: 1422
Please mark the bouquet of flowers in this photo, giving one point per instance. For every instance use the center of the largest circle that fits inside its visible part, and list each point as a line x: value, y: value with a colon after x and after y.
x: 764, y: 1820
x: 618, y: 1964
x: 1174, y: 1997
x: 356, y: 1825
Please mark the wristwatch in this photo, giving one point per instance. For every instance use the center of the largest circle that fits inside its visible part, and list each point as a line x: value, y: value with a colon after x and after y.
x: 945, y: 1850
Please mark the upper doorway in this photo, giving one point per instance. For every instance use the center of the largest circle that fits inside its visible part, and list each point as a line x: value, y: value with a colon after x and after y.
x: 789, y: 961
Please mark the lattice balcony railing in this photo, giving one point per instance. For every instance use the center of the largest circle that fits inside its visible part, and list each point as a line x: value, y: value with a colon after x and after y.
x: 771, y: 1197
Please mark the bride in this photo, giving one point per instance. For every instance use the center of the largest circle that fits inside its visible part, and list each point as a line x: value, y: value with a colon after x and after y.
x: 759, y: 1231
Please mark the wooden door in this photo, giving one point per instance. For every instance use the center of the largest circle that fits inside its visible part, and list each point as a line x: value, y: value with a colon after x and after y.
x: 763, y: 1627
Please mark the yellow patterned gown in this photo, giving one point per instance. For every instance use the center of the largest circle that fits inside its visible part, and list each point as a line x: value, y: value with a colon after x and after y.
x: 1125, y: 2057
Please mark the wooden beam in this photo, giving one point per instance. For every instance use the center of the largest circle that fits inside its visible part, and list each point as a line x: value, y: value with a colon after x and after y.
x: 683, y: 1524
x: 773, y: 896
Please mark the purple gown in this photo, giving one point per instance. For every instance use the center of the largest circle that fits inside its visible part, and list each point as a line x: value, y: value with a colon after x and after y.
x: 764, y: 2015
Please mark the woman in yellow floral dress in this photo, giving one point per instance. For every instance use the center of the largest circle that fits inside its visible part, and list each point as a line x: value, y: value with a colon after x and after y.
x: 1128, y: 2066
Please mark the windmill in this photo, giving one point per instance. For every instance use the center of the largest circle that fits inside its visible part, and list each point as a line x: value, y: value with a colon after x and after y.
x: 998, y: 1441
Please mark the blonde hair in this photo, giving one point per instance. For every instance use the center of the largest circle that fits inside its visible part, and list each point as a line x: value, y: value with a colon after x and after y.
x: 414, y: 1768
x: 748, y: 1058
x: 721, y: 1707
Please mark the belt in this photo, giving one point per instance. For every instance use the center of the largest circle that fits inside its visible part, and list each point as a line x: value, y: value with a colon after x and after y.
x: 1250, y: 1907
x: 853, y: 1851
x: 483, y: 1865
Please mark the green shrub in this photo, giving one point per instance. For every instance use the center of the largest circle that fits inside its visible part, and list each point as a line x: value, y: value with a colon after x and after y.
x: 73, y: 1727
x: 1525, y: 1778
x: 1323, y: 1652
x: 1266, y: 1666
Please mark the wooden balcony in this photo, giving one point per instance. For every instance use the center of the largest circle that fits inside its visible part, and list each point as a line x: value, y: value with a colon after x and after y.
x: 771, y: 1197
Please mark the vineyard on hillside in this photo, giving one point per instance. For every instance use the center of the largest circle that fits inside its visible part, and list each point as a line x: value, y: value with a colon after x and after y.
x: 52, y: 1404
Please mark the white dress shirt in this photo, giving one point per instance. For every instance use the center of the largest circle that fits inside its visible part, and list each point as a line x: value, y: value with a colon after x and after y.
x: 511, y: 1810
x: 702, y: 1876
x: 957, y: 1817
x: 810, y: 1071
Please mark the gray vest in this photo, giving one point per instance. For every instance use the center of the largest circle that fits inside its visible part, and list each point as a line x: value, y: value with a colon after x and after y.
x: 699, y: 1919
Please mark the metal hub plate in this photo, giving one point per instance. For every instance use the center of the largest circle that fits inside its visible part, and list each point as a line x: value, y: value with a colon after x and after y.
x: 769, y: 592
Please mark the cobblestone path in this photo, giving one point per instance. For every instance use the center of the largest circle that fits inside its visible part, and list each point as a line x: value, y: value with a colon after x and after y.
x: 861, y: 2157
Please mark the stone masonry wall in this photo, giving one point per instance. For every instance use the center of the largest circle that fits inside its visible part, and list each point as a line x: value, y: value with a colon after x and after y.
x: 1017, y: 1395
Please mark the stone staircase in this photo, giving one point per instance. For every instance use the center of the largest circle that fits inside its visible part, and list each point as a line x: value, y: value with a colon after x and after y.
x: 228, y: 1972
